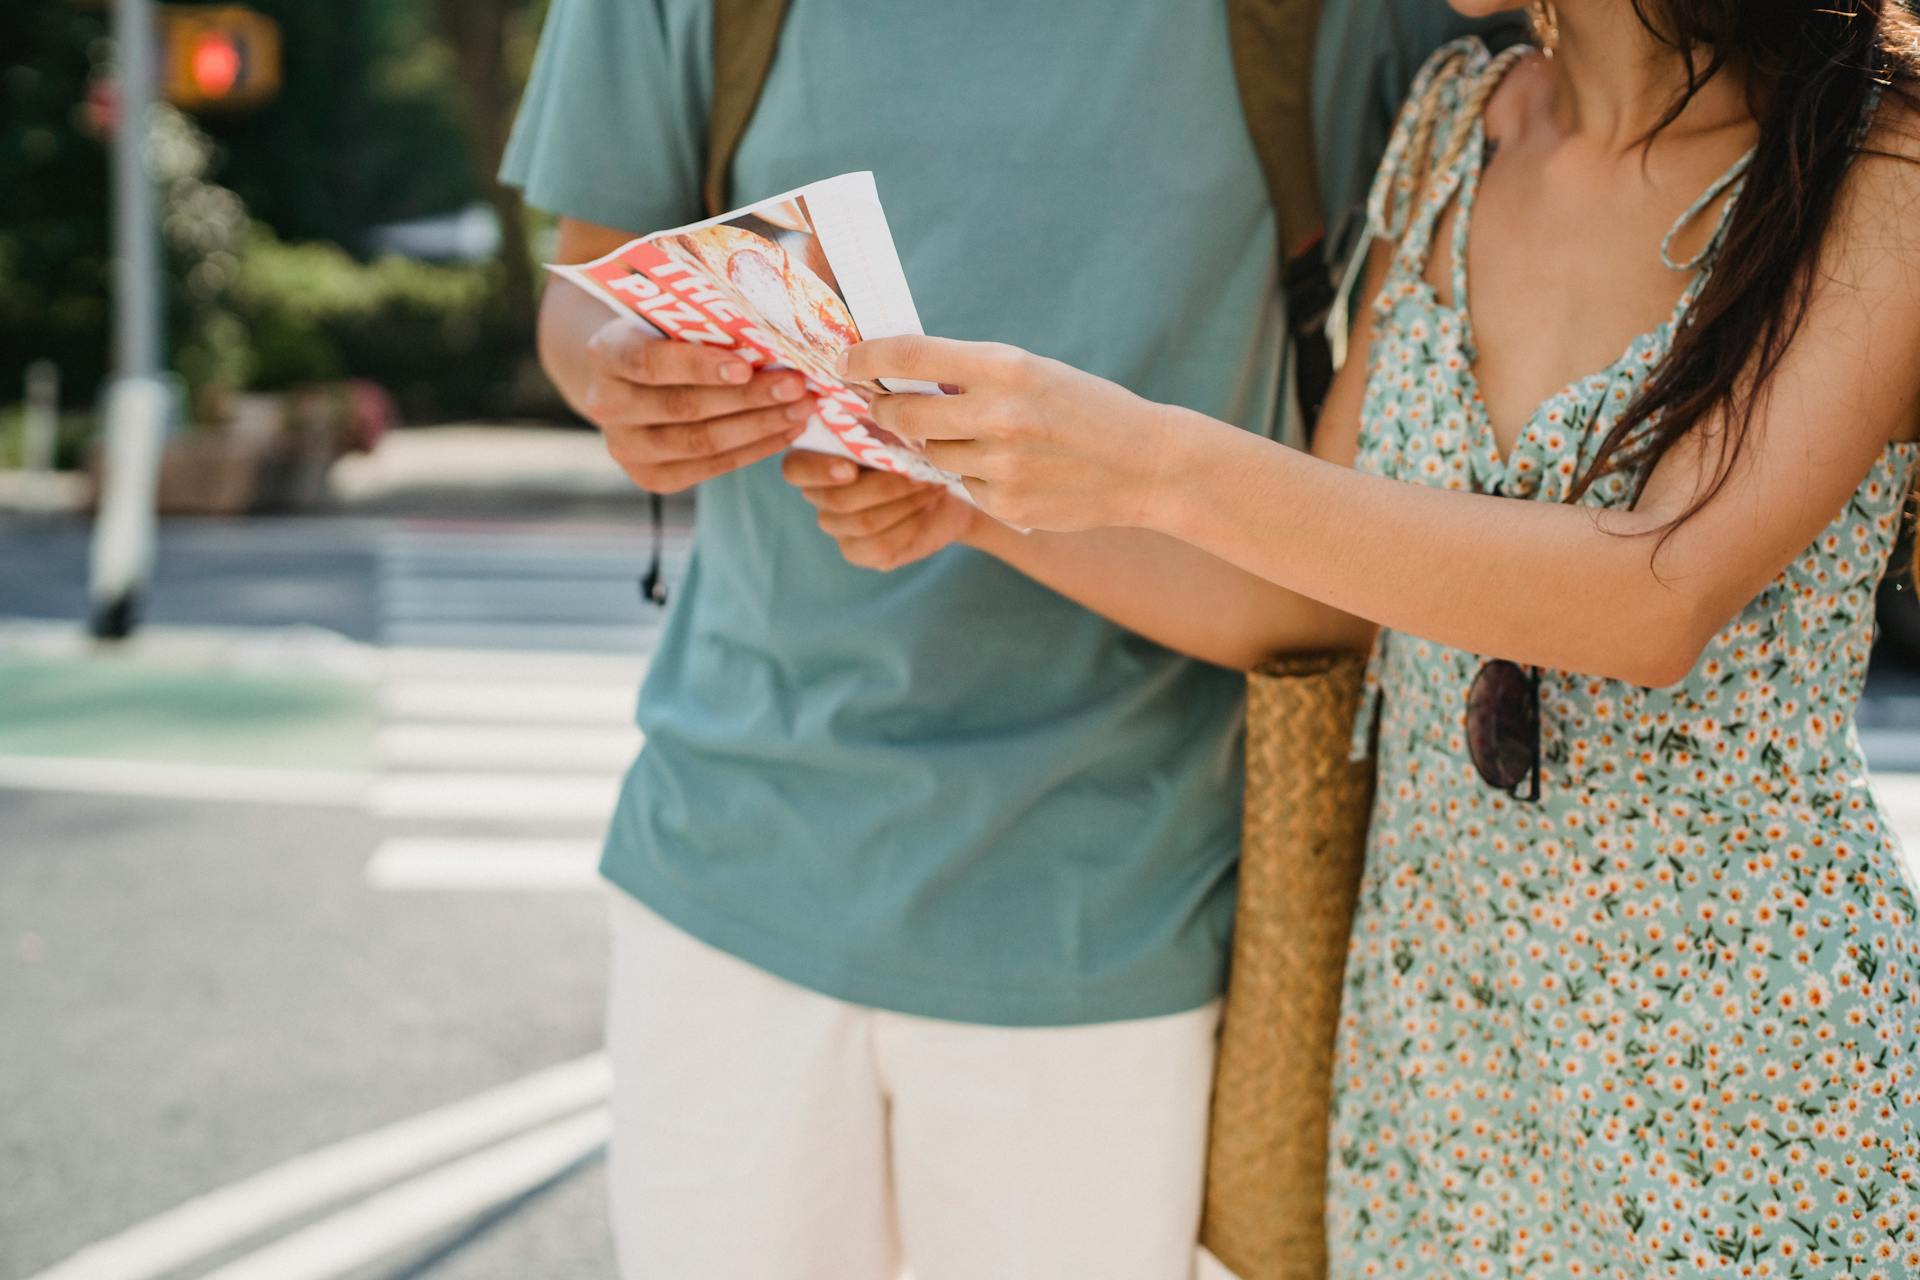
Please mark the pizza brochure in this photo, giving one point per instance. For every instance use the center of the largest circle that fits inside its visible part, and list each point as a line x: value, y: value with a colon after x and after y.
x: 790, y: 283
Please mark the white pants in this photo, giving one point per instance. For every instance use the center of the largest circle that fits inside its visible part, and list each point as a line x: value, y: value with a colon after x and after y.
x: 763, y: 1131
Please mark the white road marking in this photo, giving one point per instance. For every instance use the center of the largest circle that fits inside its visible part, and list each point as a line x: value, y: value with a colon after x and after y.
x: 431, y: 1202
x: 571, y: 797
x: 468, y: 746
x: 578, y: 638
x: 585, y: 636
x: 482, y: 863
x: 568, y: 703
x: 235, y: 1212
x: 92, y: 775
x: 544, y: 666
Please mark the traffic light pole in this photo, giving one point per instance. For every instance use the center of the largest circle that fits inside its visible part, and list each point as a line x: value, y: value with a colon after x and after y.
x: 139, y: 398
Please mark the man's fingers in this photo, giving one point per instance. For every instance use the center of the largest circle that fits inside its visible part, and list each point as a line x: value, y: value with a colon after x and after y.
x: 948, y: 360
x: 869, y: 521
x: 873, y: 489
x: 672, y: 477
x: 673, y: 441
x: 632, y: 351
x: 903, y: 543
x: 805, y: 469
x: 617, y: 402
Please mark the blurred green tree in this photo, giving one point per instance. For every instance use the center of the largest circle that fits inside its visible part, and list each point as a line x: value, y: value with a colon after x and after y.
x: 366, y: 128
x: 389, y: 109
x: 492, y: 43
x: 54, y: 267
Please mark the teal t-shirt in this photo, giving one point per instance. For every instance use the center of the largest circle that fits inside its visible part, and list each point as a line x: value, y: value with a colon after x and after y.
x: 944, y: 790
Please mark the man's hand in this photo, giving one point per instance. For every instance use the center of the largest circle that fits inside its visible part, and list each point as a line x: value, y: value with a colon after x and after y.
x: 880, y: 520
x: 676, y: 413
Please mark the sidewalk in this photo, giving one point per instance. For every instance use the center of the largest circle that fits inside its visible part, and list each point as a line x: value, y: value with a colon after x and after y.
x: 452, y: 469
x: 484, y: 469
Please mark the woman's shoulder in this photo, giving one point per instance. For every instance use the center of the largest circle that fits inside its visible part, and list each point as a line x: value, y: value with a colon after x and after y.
x: 1875, y: 217
x: 1443, y: 101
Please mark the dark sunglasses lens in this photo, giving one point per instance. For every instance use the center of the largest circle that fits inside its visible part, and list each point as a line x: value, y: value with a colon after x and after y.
x: 1503, y: 724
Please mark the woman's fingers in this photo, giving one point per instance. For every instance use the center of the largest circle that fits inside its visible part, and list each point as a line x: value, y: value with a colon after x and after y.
x: 945, y: 360
x: 922, y: 417
x: 961, y: 457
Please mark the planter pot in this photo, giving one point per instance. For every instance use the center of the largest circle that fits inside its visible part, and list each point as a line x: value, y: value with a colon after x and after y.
x: 209, y: 475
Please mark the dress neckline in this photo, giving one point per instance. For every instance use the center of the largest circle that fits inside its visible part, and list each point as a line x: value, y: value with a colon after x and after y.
x: 1462, y: 185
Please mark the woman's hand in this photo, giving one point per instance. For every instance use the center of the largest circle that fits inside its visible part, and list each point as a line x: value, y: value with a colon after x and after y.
x: 880, y: 520
x: 1039, y: 443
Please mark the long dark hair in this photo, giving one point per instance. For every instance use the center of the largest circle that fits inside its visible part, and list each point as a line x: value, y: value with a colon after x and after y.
x: 1814, y: 66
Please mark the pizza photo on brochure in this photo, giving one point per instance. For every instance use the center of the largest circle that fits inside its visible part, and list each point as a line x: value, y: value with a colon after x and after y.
x: 790, y: 283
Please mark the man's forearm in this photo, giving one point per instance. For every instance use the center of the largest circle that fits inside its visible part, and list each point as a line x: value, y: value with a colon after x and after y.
x: 569, y: 317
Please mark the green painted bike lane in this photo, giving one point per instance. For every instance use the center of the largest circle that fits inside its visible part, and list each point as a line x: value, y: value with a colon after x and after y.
x: 179, y: 710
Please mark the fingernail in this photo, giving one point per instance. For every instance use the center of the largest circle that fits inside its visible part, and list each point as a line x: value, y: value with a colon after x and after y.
x: 840, y: 364
x: 844, y: 471
x: 800, y: 412
x: 735, y: 372
x: 786, y: 391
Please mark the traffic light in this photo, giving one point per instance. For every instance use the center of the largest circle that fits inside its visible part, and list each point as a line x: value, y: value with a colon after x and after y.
x: 218, y: 57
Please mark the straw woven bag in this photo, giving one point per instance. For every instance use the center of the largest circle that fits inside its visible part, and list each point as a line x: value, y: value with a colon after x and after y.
x: 1304, y: 841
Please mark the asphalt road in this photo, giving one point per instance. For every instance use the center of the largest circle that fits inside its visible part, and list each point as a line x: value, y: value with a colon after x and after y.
x: 196, y: 994
x: 196, y: 991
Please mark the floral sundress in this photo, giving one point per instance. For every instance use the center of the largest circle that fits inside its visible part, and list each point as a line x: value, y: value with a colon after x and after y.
x: 1664, y: 1021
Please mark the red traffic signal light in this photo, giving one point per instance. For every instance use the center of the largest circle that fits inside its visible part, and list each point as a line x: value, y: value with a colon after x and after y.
x: 214, y: 64
x: 219, y: 56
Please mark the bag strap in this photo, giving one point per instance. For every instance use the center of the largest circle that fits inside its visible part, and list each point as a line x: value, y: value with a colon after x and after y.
x: 1273, y: 43
x: 745, y: 34
x: 1273, y: 48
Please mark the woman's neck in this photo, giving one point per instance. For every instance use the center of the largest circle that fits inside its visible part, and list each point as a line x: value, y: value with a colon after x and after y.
x: 1616, y: 79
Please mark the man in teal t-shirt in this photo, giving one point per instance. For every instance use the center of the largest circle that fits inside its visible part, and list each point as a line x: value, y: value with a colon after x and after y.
x: 928, y: 877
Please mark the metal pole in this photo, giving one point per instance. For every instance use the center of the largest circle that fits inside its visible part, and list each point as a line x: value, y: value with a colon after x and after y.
x: 41, y: 429
x: 139, y: 398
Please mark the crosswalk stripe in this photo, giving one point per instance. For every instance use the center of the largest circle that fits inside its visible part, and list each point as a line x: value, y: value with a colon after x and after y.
x: 166, y: 780
x: 624, y: 670
x: 496, y: 797
x: 512, y: 671
x: 413, y: 745
x: 602, y: 638
x: 480, y: 863
x: 575, y: 597
x: 513, y: 564
x: 525, y: 703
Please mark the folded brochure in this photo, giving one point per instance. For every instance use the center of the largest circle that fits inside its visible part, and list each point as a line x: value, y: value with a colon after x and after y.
x: 789, y: 283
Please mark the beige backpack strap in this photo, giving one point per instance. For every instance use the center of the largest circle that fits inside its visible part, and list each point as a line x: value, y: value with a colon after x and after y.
x: 745, y: 34
x: 1273, y: 44
x: 1273, y: 47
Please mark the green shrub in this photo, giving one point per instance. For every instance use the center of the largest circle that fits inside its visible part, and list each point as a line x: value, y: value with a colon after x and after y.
x: 432, y: 334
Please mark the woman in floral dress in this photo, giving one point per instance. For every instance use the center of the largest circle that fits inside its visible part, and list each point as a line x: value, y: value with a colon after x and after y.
x: 1634, y: 986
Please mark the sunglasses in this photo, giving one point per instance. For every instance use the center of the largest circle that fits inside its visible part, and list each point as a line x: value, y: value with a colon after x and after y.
x: 1503, y: 726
